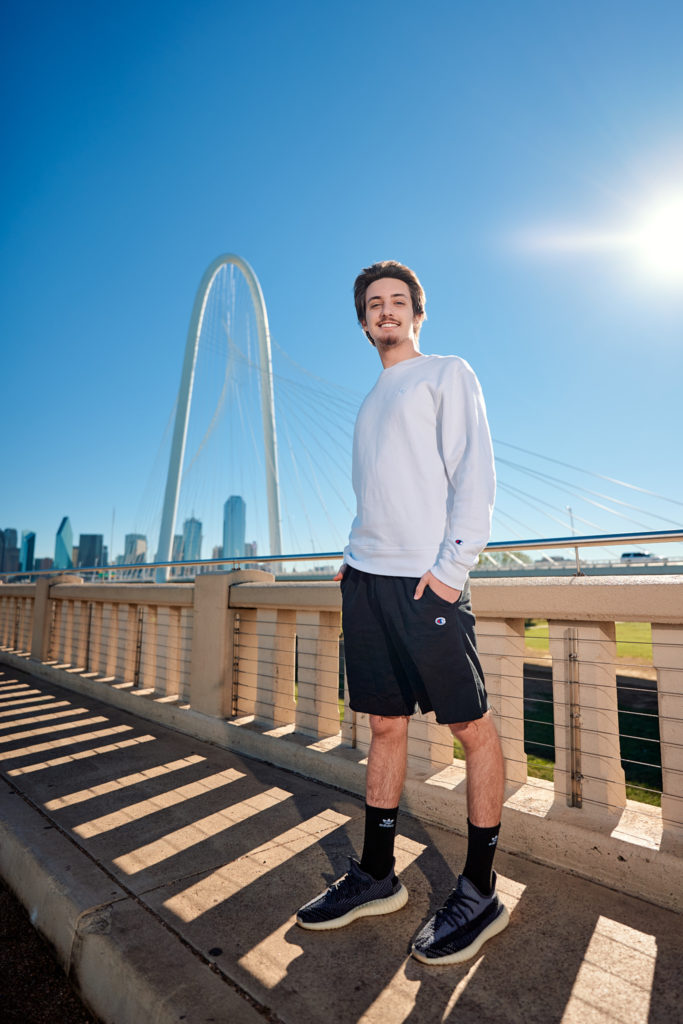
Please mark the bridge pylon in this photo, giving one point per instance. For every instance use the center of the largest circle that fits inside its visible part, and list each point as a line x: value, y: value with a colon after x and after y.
x: 175, y: 465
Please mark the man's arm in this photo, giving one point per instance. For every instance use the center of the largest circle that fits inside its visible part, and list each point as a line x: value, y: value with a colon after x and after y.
x: 467, y: 454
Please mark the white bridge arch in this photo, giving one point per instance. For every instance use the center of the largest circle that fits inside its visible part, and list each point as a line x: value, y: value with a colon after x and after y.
x: 175, y: 464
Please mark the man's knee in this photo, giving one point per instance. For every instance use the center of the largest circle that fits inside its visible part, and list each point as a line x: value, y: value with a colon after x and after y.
x: 383, y: 726
x: 471, y: 734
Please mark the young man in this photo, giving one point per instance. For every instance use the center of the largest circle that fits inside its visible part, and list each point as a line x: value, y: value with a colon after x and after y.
x: 424, y: 479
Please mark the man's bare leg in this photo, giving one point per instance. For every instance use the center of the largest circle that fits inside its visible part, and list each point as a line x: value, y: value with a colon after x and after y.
x: 386, y: 771
x: 485, y: 770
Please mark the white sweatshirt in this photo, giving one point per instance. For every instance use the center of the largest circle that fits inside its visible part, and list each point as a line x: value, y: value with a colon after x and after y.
x: 423, y: 472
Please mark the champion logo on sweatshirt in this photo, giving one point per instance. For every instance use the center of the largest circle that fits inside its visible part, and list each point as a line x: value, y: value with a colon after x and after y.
x: 440, y: 621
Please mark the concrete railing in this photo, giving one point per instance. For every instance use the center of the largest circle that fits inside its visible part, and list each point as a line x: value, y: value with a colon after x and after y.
x: 254, y: 664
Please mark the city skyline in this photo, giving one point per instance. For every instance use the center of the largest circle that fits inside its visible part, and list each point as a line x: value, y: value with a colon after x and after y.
x: 135, y: 544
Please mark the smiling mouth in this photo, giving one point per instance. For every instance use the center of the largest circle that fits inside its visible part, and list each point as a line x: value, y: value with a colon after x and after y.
x: 388, y: 323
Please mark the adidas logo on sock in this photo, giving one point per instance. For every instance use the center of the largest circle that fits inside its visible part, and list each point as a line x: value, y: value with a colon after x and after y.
x: 387, y: 823
x: 493, y: 841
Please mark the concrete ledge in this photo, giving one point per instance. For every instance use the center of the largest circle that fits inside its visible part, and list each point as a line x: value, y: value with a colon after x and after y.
x: 582, y: 598
x: 127, y: 966
x: 598, y: 848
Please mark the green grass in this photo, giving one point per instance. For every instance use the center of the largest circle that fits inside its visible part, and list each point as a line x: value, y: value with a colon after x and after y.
x: 540, y: 767
x: 634, y: 639
x: 536, y: 635
x: 458, y: 749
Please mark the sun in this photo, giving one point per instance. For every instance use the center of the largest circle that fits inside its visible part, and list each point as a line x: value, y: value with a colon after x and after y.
x: 658, y: 240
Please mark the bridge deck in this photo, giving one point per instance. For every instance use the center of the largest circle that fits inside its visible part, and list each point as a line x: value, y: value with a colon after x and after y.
x: 167, y: 872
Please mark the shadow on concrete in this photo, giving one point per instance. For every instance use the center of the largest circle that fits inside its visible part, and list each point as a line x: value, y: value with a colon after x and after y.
x: 224, y: 850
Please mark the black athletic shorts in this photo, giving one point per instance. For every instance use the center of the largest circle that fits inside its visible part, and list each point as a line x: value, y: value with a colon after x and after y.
x: 400, y: 651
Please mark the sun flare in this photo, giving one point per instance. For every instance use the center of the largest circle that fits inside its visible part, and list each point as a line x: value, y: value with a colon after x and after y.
x: 658, y: 240
x: 653, y: 241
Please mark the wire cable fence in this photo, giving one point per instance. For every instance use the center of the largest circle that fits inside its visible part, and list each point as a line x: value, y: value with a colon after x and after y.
x: 147, y: 645
x: 614, y: 718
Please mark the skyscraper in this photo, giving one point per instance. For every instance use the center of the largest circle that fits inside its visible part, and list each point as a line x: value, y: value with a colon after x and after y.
x: 134, y: 548
x: 64, y: 543
x: 234, y: 526
x: 192, y: 540
x: 26, y: 556
x: 90, y: 550
x: 10, y: 554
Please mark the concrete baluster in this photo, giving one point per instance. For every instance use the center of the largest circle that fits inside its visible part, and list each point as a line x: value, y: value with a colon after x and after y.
x: 148, y: 653
x: 213, y: 624
x: 95, y: 657
x: 40, y: 638
x: 602, y: 783
x: 430, y: 745
x: 110, y: 624
x: 356, y: 725
x: 317, y: 709
x: 276, y: 629
x: 667, y: 657
x: 67, y: 631
x: 500, y: 644
x: 25, y: 618
x: 185, y: 667
x: 126, y: 641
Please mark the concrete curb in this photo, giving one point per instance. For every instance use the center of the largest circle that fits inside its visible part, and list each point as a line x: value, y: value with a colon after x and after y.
x: 127, y: 966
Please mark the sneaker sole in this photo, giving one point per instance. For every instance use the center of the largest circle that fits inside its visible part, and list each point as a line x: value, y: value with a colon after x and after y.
x: 387, y: 905
x: 497, y: 926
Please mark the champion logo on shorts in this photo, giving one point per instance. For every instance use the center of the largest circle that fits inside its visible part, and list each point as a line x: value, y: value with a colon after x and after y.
x: 440, y: 621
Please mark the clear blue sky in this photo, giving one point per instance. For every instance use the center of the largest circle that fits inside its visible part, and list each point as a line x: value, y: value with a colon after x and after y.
x: 510, y: 153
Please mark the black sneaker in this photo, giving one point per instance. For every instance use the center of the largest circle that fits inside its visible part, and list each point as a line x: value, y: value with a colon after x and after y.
x: 462, y: 926
x: 355, y: 894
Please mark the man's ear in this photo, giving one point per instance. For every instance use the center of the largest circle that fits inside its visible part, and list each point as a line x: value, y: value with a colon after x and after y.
x: 364, y: 325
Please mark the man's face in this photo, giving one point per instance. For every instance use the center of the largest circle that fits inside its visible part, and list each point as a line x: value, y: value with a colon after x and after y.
x: 389, y: 318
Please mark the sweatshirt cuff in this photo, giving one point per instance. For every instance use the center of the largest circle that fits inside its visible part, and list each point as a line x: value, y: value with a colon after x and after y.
x: 454, y: 576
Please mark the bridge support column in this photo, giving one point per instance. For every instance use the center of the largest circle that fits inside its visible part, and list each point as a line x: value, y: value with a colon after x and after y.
x: 213, y: 628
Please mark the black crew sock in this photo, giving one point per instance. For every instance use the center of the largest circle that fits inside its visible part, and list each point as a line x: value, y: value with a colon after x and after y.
x: 378, y: 846
x: 481, y: 849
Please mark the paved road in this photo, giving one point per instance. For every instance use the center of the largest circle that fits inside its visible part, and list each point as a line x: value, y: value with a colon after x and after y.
x: 33, y: 985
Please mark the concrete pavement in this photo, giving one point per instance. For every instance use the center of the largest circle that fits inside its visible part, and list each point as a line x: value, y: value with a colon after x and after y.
x: 166, y: 872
